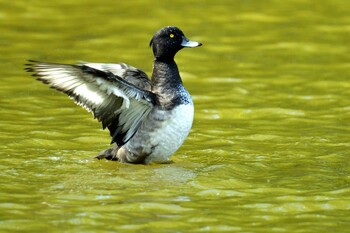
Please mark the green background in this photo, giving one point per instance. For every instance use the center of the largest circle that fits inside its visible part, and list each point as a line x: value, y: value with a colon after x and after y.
x: 269, y: 148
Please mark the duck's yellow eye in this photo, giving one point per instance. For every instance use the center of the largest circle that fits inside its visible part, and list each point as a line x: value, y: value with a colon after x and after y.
x: 171, y: 35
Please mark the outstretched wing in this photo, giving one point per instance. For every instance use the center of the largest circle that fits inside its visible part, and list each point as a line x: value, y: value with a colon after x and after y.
x: 118, y: 104
x: 128, y: 73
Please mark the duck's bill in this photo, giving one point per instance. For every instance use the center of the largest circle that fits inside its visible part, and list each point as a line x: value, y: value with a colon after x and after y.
x: 188, y: 43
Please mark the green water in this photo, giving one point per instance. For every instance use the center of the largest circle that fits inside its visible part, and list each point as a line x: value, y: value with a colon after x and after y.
x: 269, y: 147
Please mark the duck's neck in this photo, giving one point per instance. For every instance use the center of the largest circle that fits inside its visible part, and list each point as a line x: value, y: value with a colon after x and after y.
x: 167, y: 84
x: 165, y: 77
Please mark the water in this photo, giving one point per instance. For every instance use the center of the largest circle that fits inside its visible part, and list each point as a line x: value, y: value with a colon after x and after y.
x: 269, y: 147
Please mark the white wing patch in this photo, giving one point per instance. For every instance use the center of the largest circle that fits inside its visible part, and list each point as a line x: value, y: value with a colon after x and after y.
x: 86, y: 92
x: 117, y: 69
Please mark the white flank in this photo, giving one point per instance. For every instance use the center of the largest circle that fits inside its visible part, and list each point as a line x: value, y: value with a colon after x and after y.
x: 172, y: 134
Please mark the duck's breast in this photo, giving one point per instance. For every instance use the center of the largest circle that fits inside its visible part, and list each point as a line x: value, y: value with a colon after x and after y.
x: 171, y: 128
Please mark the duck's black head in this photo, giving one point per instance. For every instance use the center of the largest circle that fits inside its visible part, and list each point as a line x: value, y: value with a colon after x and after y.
x: 168, y: 41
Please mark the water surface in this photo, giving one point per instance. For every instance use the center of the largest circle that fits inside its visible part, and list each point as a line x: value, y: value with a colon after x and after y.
x: 269, y: 147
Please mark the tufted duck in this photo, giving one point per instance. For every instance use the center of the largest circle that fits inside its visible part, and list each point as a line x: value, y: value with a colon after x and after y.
x: 148, y: 119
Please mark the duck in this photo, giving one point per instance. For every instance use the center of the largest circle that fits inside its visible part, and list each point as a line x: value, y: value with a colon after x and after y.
x: 148, y: 118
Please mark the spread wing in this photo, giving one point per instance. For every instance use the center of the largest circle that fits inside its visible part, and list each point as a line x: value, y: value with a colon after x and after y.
x: 125, y: 71
x: 120, y: 105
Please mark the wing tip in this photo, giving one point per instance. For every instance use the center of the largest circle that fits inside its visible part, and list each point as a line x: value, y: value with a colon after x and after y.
x: 30, y: 66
